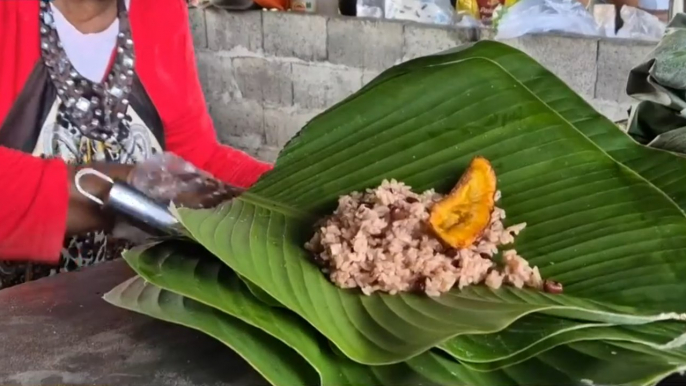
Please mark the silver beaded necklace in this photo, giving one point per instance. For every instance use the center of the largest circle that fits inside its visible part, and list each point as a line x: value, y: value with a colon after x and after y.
x: 98, y: 110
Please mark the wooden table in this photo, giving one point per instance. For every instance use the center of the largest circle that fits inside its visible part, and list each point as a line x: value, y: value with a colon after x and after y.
x: 59, y: 331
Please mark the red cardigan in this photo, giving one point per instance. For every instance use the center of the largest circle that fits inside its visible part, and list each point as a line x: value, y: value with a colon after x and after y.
x: 34, y: 192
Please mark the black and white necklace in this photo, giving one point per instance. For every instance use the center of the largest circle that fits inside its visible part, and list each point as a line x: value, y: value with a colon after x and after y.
x: 98, y: 110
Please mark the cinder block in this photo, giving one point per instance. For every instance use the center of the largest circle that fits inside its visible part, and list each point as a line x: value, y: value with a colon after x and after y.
x: 572, y: 59
x: 264, y: 80
x: 423, y: 40
x: 202, y: 62
x: 366, y: 44
x: 368, y: 76
x: 216, y: 76
x: 249, y: 143
x: 290, y: 34
x: 317, y: 86
x: 613, y: 110
x: 281, y: 124
x: 228, y: 30
x: 268, y: 153
x: 238, y: 122
x: 485, y: 33
x: 616, y: 58
x: 198, y: 27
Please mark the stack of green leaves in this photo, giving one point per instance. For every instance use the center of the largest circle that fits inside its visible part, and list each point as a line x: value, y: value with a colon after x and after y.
x: 605, y: 218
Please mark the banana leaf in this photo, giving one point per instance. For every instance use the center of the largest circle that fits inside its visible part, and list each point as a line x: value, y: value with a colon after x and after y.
x: 659, y: 84
x: 190, y: 271
x: 653, y: 335
x: 605, y: 217
x: 174, y: 286
x: 532, y: 332
x: 605, y: 214
x: 193, y: 273
x: 273, y: 360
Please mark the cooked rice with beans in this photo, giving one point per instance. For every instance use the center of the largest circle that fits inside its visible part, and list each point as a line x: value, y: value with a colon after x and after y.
x: 380, y: 240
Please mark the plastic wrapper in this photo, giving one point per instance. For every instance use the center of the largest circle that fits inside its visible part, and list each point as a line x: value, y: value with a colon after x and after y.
x: 423, y: 11
x: 370, y: 8
x: 539, y: 16
x: 466, y: 20
x: 639, y: 24
x: 604, y: 15
x: 482, y: 10
x: 636, y: 23
x: 167, y: 178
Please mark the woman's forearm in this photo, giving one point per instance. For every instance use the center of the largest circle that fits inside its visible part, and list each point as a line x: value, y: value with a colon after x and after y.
x: 39, y: 205
x: 188, y: 128
x: 34, y: 198
x: 235, y: 167
x: 193, y: 139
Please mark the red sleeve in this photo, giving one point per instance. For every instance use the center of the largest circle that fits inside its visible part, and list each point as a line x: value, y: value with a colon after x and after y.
x: 169, y: 72
x: 35, y: 198
x: 34, y: 193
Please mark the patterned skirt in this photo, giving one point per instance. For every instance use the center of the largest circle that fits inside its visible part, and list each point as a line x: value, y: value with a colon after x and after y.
x: 80, y: 251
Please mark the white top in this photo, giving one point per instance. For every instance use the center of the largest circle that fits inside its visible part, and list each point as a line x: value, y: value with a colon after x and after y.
x: 89, y: 53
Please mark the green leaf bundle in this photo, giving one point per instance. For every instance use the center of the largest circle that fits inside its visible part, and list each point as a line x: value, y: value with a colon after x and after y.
x: 605, y: 217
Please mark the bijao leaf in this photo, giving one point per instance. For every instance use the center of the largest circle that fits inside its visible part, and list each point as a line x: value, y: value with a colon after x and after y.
x: 605, y: 217
x: 215, y: 286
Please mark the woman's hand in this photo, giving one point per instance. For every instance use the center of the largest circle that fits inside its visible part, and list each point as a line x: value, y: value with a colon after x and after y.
x: 165, y: 178
x: 83, y: 214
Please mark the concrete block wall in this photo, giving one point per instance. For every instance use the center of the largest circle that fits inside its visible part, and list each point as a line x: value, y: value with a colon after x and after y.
x: 265, y: 74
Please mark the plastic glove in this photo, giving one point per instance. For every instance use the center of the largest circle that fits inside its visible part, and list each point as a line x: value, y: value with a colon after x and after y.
x: 166, y: 178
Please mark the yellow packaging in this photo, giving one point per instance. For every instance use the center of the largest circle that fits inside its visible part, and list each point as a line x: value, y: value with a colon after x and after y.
x: 481, y: 10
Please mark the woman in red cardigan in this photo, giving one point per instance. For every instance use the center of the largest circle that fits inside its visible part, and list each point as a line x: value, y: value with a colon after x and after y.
x: 103, y: 83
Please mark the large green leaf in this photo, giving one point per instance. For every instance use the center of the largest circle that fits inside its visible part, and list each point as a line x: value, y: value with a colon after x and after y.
x: 187, y: 270
x: 271, y: 358
x: 649, y: 334
x: 604, y: 363
x: 382, y: 319
x: 190, y: 271
x: 605, y: 215
x: 532, y: 333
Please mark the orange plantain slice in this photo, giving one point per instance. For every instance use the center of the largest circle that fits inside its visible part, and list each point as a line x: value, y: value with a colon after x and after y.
x: 461, y: 217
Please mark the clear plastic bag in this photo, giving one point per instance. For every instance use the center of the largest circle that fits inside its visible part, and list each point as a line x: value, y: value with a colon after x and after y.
x: 639, y: 24
x: 464, y: 20
x: 604, y: 15
x: 423, y: 11
x: 370, y: 8
x: 538, y: 16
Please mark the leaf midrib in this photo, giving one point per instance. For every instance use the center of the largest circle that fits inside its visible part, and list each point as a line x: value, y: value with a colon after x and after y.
x: 272, y: 205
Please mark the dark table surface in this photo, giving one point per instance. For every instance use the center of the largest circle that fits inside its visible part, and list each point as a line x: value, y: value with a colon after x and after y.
x: 59, y: 331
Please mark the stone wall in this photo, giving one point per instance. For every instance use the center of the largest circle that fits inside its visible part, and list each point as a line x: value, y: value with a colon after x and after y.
x: 265, y: 74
